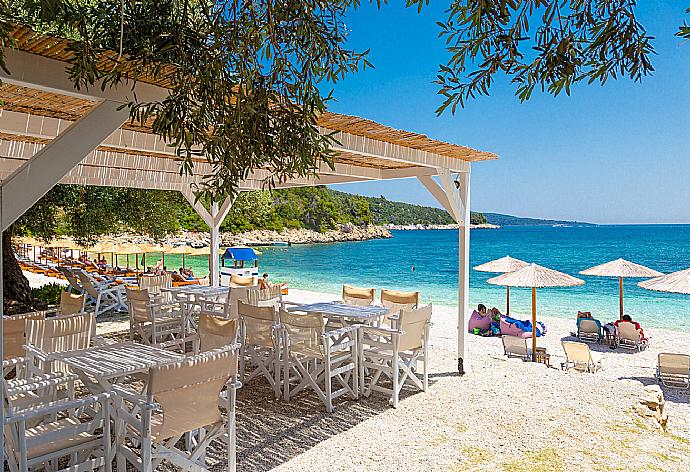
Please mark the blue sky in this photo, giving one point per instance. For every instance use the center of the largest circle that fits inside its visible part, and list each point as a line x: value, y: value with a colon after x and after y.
x: 612, y: 154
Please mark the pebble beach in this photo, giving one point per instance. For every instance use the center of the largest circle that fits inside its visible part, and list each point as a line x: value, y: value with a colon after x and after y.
x: 504, y: 414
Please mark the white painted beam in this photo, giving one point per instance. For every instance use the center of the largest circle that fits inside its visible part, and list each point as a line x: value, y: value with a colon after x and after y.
x: 198, y: 206
x: 214, y: 266
x: 463, y: 272
x: 441, y: 196
x: 50, y: 75
x: 35, y: 177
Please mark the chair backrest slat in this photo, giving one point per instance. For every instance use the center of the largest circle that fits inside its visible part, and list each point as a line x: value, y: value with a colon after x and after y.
x: 155, y: 283
x: 358, y: 295
x: 68, y: 333
x: 413, y: 323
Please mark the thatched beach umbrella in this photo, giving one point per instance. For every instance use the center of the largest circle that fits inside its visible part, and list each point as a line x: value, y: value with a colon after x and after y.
x: 182, y: 250
x: 501, y: 266
x: 676, y: 282
x: 535, y: 276
x: 622, y: 269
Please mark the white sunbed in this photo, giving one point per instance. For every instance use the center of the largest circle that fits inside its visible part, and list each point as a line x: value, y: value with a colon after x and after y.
x: 673, y: 370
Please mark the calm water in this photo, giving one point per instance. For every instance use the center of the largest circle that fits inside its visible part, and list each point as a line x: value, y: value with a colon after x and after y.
x: 434, y: 255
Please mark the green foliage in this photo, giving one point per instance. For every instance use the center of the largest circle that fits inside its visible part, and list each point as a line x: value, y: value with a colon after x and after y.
x: 86, y: 212
x: 245, y: 82
x: 550, y: 44
x: 49, y: 293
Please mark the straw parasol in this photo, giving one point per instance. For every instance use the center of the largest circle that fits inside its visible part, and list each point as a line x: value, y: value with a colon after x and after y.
x: 535, y: 276
x: 503, y: 265
x: 676, y: 282
x: 202, y: 251
x: 182, y: 250
x: 622, y: 269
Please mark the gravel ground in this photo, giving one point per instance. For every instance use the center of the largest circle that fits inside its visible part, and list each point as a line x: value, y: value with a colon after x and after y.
x: 504, y: 415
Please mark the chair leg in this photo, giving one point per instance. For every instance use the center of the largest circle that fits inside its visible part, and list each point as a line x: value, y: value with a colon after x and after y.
x: 396, y: 371
x: 327, y: 378
x: 232, y: 440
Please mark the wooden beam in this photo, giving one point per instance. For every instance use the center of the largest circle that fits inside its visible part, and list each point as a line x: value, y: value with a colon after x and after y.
x: 38, y: 72
x: 440, y: 195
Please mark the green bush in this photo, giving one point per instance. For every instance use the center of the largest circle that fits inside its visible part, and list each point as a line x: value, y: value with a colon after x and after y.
x: 49, y: 293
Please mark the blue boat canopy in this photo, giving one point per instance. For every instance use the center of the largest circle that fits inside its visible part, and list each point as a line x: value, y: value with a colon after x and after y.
x: 240, y: 254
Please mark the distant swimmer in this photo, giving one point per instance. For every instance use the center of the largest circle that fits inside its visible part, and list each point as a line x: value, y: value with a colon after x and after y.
x: 412, y: 269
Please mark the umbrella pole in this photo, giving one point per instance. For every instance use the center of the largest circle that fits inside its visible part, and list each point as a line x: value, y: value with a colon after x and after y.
x: 507, y: 300
x: 534, y: 324
x: 620, y: 296
x: 127, y: 261
x: 183, y: 261
x: 136, y: 264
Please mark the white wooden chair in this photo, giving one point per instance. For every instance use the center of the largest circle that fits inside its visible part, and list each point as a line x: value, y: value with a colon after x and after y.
x: 154, y: 322
x: 52, y: 335
x: 13, y: 341
x: 260, y: 344
x: 395, y: 300
x: 63, y: 435
x: 316, y: 359
x: 392, y: 353
x: 155, y: 285
x: 102, y: 296
x: 183, y: 397
x: 272, y: 296
x: 358, y: 295
x: 225, y: 307
x: 214, y: 333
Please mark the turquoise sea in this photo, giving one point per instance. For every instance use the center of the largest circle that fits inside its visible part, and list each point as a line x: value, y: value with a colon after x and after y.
x: 387, y: 263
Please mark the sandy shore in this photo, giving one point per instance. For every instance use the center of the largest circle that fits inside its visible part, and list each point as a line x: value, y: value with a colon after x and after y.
x: 504, y: 415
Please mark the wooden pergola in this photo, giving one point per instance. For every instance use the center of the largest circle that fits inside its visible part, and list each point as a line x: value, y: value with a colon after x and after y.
x: 51, y: 133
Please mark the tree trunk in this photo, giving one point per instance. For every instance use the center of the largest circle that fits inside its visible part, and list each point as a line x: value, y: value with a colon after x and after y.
x: 17, y: 292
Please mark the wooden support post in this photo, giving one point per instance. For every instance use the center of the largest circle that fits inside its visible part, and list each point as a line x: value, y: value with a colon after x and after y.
x: 534, y: 324
x: 620, y: 296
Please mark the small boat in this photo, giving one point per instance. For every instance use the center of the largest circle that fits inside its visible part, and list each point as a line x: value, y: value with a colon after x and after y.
x: 279, y: 243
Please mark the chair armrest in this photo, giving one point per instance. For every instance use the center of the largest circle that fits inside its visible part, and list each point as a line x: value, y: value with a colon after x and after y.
x: 380, y: 330
x: 133, y: 397
x: 15, y: 361
x: 32, y: 351
x: 340, y: 331
x: 102, y: 341
x: 55, y: 379
x: 56, y: 406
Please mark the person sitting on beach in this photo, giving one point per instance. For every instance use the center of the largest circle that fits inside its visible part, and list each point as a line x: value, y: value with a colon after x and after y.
x: 495, y: 314
x: 480, y: 320
x: 264, y: 283
x: 189, y: 273
x: 628, y: 319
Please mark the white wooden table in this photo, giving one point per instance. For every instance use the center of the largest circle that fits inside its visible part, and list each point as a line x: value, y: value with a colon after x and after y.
x: 343, y: 312
x: 191, y: 297
x: 100, y: 368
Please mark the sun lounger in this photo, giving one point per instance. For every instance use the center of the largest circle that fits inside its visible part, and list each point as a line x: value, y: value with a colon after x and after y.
x: 578, y: 356
x: 629, y: 337
x: 514, y: 346
x: 589, y: 329
x: 674, y: 370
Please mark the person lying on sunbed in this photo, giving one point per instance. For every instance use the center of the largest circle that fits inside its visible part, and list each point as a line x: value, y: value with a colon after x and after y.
x: 628, y: 319
x: 264, y: 282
